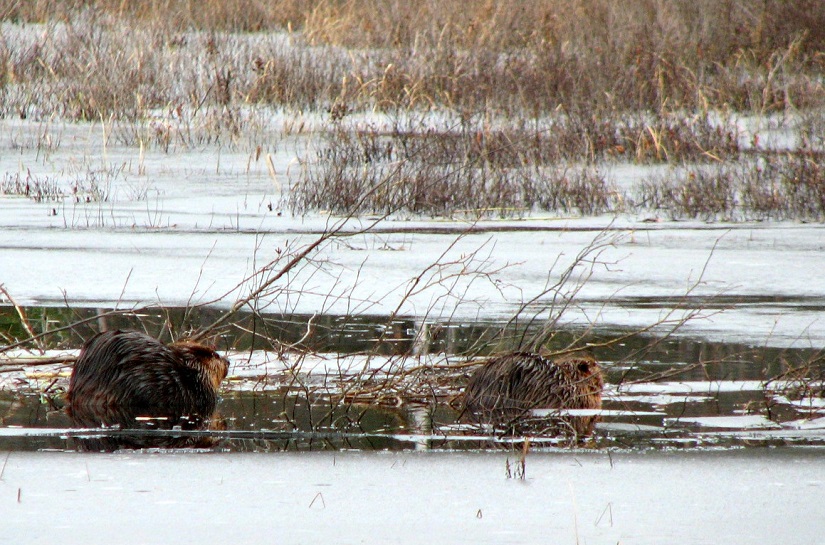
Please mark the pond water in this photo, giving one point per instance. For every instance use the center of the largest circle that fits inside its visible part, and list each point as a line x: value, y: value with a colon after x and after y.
x: 678, y: 454
x: 676, y: 392
x: 196, y: 226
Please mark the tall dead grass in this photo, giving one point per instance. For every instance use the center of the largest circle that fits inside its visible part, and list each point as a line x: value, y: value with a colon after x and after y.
x: 467, y: 172
x: 530, y: 58
x: 778, y: 186
x: 576, y: 81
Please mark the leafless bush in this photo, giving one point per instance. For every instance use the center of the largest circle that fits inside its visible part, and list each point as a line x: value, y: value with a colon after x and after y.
x: 785, y: 186
x: 444, y: 173
x: 705, y: 192
x: 803, y: 178
x: 762, y: 190
x: 801, y: 380
x: 777, y: 186
x: 582, y: 190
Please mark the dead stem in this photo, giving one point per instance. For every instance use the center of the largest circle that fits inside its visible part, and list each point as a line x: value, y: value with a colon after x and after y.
x: 24, y: 320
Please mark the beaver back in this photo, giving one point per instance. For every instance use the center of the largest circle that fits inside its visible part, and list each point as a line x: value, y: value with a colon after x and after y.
x: 524, y: 380
x: 133, y: 370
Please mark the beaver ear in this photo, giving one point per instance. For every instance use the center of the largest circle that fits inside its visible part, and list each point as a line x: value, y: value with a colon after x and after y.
x: 202, y: 352
x: 196, y: 350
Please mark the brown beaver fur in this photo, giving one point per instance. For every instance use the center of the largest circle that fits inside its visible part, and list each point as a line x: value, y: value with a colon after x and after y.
x: 132, y: 374
x: 507, y: 387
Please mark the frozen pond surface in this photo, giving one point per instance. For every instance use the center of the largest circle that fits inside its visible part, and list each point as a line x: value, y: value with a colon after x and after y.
x: 765, y: 278
x: 190, y: 226
x: 731, y: 497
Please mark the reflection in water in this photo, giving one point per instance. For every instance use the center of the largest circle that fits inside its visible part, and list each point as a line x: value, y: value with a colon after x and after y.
x: 397, y: 336
x: 658, y: 392
x: 657, y: 415
x: 288, y: 421
x: 130, y: 429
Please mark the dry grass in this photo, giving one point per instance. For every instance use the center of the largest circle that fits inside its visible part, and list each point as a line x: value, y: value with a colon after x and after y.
x: 582, y: 56
x: 38, y: 189
x: 472, y: 173
x: 706, y: 193
x: 477, y: 171
x: 578, y: 82
x: 778, y: 186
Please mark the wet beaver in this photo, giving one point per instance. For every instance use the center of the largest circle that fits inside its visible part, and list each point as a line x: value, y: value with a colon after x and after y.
x: 129, y: 373
x: 507, y: 387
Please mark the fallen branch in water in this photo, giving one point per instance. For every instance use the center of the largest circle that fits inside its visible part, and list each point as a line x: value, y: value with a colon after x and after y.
x: 32, y: 361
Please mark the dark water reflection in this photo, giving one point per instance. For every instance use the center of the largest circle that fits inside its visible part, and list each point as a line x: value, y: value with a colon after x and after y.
x: 245, y: 422
x: 379, y: 335
x: 671, y: 392
x: 273, y: 422
x: 158, y: 429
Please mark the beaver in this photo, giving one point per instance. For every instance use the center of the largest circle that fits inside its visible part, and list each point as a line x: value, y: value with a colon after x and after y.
x: 132, y: 374
x: 507, y: 387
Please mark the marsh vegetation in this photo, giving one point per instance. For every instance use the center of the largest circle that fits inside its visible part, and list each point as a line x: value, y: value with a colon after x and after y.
x: 320, y: 122
x: 438, y: 109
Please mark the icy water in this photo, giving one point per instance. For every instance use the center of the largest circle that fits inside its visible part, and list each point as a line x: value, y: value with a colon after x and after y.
x: 679, y: 454
x: 661, y: 392
x: 190, y: 226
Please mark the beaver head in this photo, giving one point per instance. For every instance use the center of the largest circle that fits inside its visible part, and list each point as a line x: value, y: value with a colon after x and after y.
x: 582, y: 377
x: 211, y: 365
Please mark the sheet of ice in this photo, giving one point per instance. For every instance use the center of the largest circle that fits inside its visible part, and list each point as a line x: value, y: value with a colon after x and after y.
x: 744, y: 422
x: 661, y: 400
x: 734, y: 497
x: 693, y: 387
x: 592, y: 412
x: 806, y: 424
x: 190, y: 227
